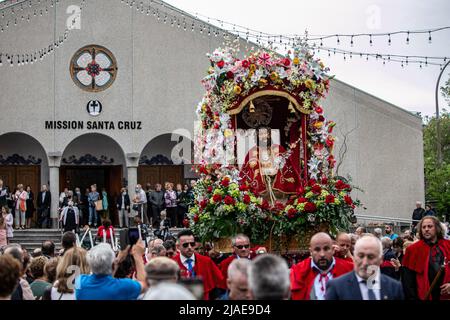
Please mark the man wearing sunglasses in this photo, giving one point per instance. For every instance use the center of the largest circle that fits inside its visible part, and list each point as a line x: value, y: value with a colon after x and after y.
x: 194, y: 265
x: 241, y: 250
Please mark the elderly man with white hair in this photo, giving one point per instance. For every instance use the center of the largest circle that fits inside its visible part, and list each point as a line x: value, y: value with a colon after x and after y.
x: 366, y: 282
x: 101, y: 285
x: 237, y: 280
x: 268, y: 278
x: 417, y: 215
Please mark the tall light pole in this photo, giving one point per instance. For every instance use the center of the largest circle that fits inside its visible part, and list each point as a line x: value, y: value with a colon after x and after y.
x: 438, y: 129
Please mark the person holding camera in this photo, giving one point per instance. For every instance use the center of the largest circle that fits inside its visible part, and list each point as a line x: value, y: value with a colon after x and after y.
x: 101, y: 285
x: 164, y: 227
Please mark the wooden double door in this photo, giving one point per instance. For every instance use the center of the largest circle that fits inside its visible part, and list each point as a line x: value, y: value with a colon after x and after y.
x: 160, y: 174
x: 26, y: 175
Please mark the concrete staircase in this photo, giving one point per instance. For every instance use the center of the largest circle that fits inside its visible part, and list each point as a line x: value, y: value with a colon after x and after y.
x: 31, y: 239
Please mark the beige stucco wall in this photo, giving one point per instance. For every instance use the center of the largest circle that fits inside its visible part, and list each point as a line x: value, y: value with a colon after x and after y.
x: 158, y: 83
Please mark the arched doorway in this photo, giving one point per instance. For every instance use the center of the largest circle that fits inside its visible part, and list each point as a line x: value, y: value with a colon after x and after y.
x: 166, y: 158
x: 23, y: 160
x: 94, y: 158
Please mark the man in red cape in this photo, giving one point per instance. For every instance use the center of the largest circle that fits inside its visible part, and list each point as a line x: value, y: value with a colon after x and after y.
x: 194, y: 265
x: 309, y: 277
x: 241, y: 250
x: 424, y: 259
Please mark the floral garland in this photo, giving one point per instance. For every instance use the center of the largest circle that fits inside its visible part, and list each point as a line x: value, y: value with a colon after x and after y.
x: 223, y: 205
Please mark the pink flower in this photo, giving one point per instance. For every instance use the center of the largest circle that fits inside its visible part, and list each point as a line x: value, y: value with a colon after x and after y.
x: 264, y: 59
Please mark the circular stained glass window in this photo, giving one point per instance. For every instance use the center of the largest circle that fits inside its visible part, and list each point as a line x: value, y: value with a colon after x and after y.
x: 93, y: 68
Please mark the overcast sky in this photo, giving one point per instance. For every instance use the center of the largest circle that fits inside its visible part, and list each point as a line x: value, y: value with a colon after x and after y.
x: 410, y: 88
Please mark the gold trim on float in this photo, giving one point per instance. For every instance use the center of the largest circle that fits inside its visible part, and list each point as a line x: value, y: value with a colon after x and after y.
x: 263, y: 93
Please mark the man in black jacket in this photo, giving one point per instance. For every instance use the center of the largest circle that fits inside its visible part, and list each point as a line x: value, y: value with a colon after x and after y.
x: 157, y: 204
x: 44, y: 201
x: 366, y: 282
x: 3, y: 194
x: 417, y: 215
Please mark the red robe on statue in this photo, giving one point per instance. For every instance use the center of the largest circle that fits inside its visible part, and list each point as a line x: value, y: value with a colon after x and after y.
x: 258, y: 163
x: 302, y: 277
x: 417, y: 259
x: 206, y: 269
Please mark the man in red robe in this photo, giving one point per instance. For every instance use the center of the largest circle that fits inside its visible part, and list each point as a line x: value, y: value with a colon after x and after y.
x: 194, y: 265
x: 425, y: 261
x: 343, y: 245
x: 241, y: 250
x: 309, y: 277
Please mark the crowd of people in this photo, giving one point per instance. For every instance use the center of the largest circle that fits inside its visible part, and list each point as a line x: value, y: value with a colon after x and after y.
x: 351, y: 266
x: 91, y: 207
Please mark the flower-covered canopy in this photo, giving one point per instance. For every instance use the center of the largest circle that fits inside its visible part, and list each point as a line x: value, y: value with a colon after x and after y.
x: 225, y: 203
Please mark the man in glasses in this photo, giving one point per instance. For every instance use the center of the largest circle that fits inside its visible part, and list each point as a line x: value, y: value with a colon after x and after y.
x: 194, y: 265
x: 241, y: 250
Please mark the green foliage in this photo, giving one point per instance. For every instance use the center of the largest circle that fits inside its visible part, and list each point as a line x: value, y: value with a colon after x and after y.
x: 437, y: 177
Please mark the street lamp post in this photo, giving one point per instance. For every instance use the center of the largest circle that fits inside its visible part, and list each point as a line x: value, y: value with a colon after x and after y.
x: 438, y: 131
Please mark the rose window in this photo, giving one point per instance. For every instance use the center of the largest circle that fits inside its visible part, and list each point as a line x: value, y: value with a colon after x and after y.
x: 93, y: 68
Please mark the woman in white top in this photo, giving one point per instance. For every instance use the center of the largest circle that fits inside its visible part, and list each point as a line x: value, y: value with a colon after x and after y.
x: 72, y: 262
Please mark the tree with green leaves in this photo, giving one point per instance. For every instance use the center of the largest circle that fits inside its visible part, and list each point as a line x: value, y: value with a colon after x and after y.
x: 437, y: 177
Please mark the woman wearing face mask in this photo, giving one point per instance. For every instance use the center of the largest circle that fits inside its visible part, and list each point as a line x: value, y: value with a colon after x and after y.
x: 123, y: 206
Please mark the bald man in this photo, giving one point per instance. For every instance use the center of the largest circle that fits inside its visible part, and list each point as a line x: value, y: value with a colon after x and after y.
x: 310, y: 276
x: 366, y: 282
x: 344, y: 244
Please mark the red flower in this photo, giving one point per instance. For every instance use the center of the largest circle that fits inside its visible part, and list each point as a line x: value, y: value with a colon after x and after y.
x: 316, y: 189
x: 311, y: 182
x: 331, y: 161
x: 196, y: 218
x: 220, y: 64
x: 265, y: 205
x: 324, y: 181
x: 217, y: 198
x: 203, y: 203
x: 245, y: 63
x: 340, y: 185
x: 279, y: 206
x: 329, y: 199
x: 348, y: 200
x: 243, y: 187
x: 228, y: 200
x: 319, y: 110
x: 330, y: 142
x: 310, y: 207
x: 302, y: 200
x: 186, y: 223
x: 286, y: 62
x: 230, y: 75
x: 246, y: 199
x: 225, y: 182
x: 210, y: 189
x: 203, y: 170
x: 321, y: 118
x: 291, y: 213
x: 300, y: 191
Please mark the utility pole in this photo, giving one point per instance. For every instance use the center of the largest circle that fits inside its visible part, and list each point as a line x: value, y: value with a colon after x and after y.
x: 438, y: 120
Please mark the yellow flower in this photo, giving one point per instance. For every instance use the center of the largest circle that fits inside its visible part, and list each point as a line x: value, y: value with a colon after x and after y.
x: 309, y: 83
x: 274, y: 76
x: 262, y: 82
x: 309, y: 195
x: 296, y: 61
x: 337, y: 201
x: 252, y: 68
x: 318, y: 125
x: 237, y: 90
x: 228, y: 133
x: 204, y: 108
x: 324, y: 193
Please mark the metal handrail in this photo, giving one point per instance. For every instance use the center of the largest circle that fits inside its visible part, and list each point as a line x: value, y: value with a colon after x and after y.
x: 381, y: 218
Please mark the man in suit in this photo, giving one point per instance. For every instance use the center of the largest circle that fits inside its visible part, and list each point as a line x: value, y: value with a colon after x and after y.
x: 366, y: 282
x: 43, y: 207
x: 194, y: 265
